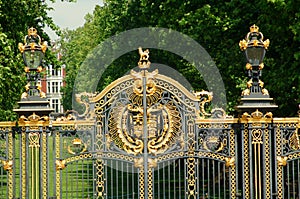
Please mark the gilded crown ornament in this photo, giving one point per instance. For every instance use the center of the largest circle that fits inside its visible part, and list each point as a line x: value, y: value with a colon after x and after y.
x: 254, y: 28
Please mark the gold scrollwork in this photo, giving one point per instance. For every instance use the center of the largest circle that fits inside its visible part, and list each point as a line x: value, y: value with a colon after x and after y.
x: 151, y: 88
x: 204, y: 97
x: 84, y: 98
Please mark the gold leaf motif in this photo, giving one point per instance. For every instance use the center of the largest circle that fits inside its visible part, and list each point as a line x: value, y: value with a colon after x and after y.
x: 261, y: 83
x: 138, y: 162
x: 249, y: 84
x: 265, y: 91
x: 268, y: 115
x: 7, y: 165
x: 294, y: 142
x: 281, y: 160
x: 229, y: 161
x: 248, y: 66
x: 266, y: 43
x: 246, y: 92
x: 243, y: 44
x: 261, y: 66
x: 60, y: 164
x: 152, y: 163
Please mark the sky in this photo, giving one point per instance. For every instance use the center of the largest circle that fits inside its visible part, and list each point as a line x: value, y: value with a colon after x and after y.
x: 70, y: 15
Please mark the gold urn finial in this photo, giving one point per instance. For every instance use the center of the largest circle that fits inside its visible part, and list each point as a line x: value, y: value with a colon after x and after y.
x: 254, y: 28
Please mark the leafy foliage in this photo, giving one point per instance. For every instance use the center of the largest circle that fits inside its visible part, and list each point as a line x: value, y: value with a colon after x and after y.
x: 216, y: 25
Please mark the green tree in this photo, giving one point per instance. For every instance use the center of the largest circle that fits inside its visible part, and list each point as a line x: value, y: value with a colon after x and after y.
x: 216, y: 25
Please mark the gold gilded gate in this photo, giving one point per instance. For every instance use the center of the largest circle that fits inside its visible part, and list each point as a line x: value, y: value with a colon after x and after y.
x: 146, y: 136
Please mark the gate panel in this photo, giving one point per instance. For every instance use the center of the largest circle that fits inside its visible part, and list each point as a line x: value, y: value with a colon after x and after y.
x: 288, y: 158
x: 217, y: 166
x: 7, y: 157
x: 150, y: 136
x: 73, y: 159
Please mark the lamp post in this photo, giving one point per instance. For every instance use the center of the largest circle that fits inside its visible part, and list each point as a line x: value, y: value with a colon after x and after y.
x: 255, y: 96
x: 33, y: 100
x: 33, y: 120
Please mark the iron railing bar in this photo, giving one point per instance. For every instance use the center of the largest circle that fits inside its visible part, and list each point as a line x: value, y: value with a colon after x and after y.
x: 185, y: 174
x: 122, y: 182
x: 224, y: 181
x: 179, y: 177
x: 288, y: 180
x: 219, y: 180
x: 132, y: 179
x: 174, y: 177
x: 95, y: 176
x: 293, y: 176
x: 77, y: 178
x: 127, y: 180
x: 158, y: 180
x: 203, y: 177
x: 197, y: 175
x: 169, y: 179
x: 117, y: 179
x: 214, y: 182
x: 111, y: 179
x: 298, y: 178
x: 66, y: 177
x: 164, y: 180
x: 82, y: 178
x: 105, y: 168
x: 208, y: 179
x: 89, y: 179
x: 2, y: 179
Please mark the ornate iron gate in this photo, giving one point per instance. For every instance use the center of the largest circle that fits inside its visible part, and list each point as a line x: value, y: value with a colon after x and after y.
x: 145, y: 136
